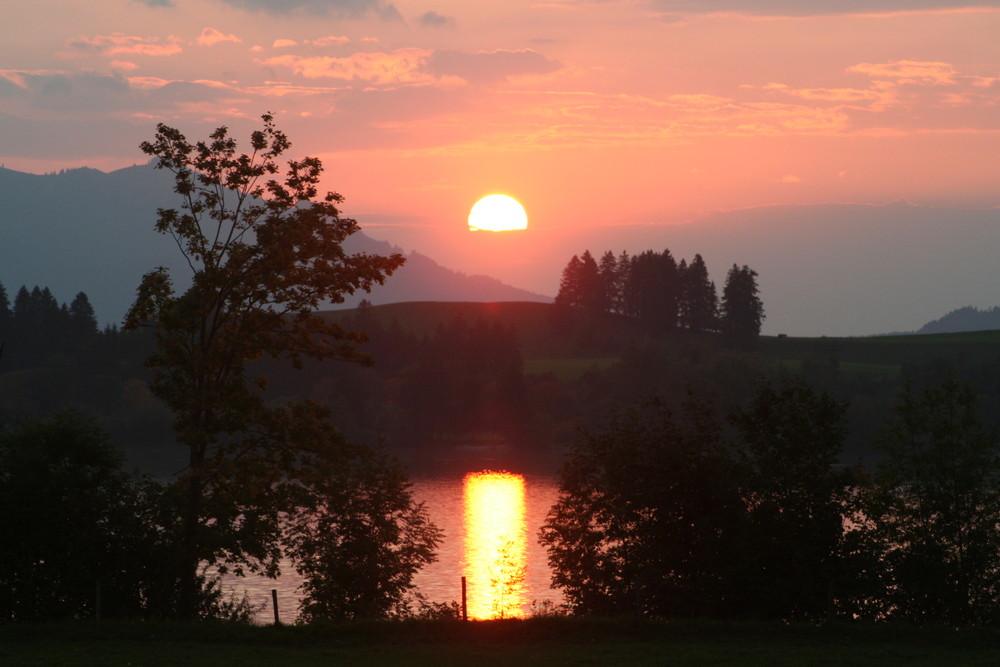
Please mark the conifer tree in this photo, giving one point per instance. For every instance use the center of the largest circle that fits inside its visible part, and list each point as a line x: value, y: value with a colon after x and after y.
x: 6, y: 316
x: 83, y: 321
x: 608, y: 273
x: 591, y: 296
x: 699, y: 303
x: 741, y: 310
x: 569, y: 284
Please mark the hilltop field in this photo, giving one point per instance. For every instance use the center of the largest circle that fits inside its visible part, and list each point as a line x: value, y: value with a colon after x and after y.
x: 595, y: 338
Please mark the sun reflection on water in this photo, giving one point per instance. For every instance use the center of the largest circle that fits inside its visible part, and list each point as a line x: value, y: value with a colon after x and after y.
x: 496, y: 540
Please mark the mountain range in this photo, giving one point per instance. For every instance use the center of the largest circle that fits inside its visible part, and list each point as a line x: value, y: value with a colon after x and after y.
x: 824, y: 270
x: 91, y: 231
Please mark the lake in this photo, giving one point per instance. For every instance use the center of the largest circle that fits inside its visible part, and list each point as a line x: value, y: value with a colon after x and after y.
x: 490, y: 521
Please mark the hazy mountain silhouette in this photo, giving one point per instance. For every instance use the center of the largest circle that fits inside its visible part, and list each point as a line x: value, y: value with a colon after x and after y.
x: 833, y: 270
x: 967, y: 318
x: 86, y: 230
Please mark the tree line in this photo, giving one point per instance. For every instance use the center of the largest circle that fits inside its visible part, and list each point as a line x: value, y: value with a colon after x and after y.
x: 36, y: 326
x: 663, y: 295
x: 676, y: 511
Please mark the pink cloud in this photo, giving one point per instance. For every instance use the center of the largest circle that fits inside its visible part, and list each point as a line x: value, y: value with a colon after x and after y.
x: 330, y: 41
x: 211, y: 37
x: 699, y: 100
x: 147, y: 82
x: 909, y: 71
x: 14, y: 76
x: 491, y: 66
x: 835, y: 94
x: 119, y: 43
x: 403, y: 66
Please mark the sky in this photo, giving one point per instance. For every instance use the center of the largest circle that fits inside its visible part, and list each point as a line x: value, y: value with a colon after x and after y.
x: 593, y: 113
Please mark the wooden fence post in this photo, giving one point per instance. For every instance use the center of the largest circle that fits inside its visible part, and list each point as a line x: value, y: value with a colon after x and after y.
x: 465, y: 608
x: 274, y: 603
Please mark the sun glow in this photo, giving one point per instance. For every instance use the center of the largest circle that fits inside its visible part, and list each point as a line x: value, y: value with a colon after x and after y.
x: 497, y: 213
x: 495, y: 544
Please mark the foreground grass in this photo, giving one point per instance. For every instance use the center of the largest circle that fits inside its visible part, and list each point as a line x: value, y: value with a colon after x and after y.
x: 556, y: 641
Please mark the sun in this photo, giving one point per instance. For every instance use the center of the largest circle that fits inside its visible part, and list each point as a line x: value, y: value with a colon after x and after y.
x: 497, y: 213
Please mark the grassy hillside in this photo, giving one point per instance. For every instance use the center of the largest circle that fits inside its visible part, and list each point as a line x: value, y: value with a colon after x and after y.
x: 891, y: 351
x: 545, y: 335
x: 544, y: 331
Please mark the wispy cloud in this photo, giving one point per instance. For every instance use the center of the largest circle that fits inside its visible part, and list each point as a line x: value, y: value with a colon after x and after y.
x: 434, y: 20
x: 354, y: 8
x: 211, y: 37
x: 909, y: 71
x: 330, y: 40
x: 489, y: 66
x: 119, y: 44
x: 794, y: 8
x: 402, y: 66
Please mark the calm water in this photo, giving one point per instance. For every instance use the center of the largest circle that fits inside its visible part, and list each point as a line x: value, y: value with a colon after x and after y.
x: 491, y: 524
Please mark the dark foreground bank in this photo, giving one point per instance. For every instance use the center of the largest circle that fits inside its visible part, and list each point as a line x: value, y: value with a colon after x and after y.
x: 543, y: 641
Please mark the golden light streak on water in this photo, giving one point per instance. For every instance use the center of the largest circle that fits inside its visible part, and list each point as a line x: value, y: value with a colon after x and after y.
x: 496, y: 540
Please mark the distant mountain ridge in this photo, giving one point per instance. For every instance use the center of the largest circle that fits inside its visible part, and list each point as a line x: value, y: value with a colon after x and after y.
x: 87, y: 230
x: 824, y: 269
x: 967, y: 318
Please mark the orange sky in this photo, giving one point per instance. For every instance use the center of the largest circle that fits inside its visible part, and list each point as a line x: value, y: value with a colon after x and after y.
x: 602, y: 112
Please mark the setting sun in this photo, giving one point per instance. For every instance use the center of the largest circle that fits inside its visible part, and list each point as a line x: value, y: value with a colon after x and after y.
x: 497, y: 213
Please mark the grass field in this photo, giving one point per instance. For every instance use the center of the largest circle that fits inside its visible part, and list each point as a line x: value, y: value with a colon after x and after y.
x: 554, y: 641
x: 542, y: 340
x: 567, y: 369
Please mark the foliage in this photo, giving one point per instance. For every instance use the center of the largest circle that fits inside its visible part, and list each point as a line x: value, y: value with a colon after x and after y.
x: 791, y: 436
x: 660, y: 514
x: 77, y: 526
x: 355, y: 534
x: 741, y: 310
x: 928, y: 526
x: 38, y: 327
x: 699, y: 303
x: 645, y: 517
x: 264, y: 255
x: 581, y: 283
